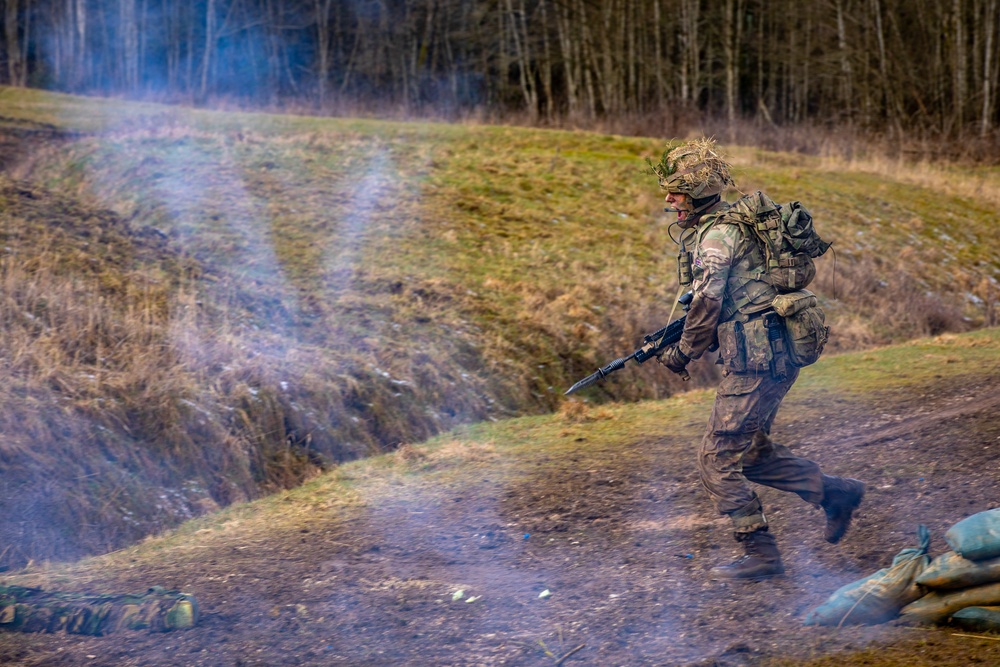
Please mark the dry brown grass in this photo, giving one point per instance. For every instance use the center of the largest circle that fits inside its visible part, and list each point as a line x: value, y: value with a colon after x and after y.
x: 128, y: 403
x: 974, y: 183
x: 575, y: 411
x: 878, y: 301
x: 97, y: 399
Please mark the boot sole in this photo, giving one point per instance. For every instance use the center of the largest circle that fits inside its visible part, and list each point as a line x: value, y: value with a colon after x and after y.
x: 759, y: 577
x: 715, y: 576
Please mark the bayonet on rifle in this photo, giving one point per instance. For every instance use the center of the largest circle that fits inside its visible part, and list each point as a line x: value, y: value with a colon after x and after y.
x: 653, y: 345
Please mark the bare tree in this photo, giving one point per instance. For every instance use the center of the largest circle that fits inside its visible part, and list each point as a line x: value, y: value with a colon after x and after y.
x: 209, y: 51
x: 689, y: 56
x: 17, y: 64
x: 846, y: 89
x: 732, y: 35
x: 989, y: 57
x: 129, y: 34
x: 321, y: 9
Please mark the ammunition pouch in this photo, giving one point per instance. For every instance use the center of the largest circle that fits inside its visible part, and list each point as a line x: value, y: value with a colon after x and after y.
x: 744, y: 346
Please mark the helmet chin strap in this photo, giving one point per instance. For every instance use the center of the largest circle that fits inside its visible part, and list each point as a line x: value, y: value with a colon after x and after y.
x: 709, y: 202
x: 692, y: 216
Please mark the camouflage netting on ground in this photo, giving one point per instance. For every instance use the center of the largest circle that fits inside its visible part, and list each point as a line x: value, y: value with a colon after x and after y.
x: 35, y: 610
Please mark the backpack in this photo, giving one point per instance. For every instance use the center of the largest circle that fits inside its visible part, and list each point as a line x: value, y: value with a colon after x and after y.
x: 787, y: 237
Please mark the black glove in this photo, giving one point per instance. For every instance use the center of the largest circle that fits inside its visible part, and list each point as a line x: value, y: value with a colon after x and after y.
x: 675, y: 360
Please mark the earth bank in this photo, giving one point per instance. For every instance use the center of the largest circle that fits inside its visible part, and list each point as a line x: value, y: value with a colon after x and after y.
x: 611, y: 522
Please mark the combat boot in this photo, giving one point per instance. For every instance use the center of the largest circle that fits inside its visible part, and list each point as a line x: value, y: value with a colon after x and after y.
x: 760, y: 560
x: 841, y: 496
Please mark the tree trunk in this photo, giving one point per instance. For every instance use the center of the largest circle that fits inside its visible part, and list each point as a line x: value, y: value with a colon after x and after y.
x: 58, y: 22
x: 609, y: 83
x: 321, y: 9
x: 352, y: 58
x: 83, y: 63
x: 283, y: 60
x: 427, y: 45
x: 989, y: 63
x: 802, y: 105
x: 25, y: 42
x: 587, y: 59
x: 546, y: 64
x: 888, y: 96
x: 689, y: 51
x: 527, y: 62
x: 958, y: 59
x: 453, y: 66
x: 209, y: 52
x: 846, y: 82
x: 568, y: 50
x: 732, y: 36
x: 658, y: 60
x: 12, y: 35
x: 522, y: 57
x: 129, y: 34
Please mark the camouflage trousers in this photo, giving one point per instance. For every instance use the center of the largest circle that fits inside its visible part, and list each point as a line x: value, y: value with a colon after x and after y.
x: 737, y: 449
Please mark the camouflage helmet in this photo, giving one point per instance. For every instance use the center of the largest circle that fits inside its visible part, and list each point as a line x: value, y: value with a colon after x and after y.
x: 694, y: 168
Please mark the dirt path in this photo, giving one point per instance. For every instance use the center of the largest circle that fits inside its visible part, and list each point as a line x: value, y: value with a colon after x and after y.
x: 622, y: 541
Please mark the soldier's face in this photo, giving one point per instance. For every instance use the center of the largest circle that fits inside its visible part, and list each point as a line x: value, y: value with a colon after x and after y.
x: 679, y: 202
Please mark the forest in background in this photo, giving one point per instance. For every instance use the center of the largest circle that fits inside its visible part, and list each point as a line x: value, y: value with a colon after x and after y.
x: 899, y: 72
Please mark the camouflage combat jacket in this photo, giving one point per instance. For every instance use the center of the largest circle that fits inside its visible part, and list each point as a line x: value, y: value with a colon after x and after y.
x: 728, y: 268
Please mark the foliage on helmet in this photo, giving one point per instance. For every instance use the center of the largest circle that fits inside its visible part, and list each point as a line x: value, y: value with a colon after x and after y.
x: 694, y: 168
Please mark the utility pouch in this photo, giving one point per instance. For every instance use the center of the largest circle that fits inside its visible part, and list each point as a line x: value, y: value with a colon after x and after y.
x: 732, y: 348
x: 787, y: 305
x: 806, y: 334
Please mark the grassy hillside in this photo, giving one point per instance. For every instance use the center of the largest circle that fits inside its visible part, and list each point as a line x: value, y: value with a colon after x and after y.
x: 323, y: 289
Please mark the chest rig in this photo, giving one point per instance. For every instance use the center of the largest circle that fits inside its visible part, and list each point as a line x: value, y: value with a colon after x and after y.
x: 747, y: 290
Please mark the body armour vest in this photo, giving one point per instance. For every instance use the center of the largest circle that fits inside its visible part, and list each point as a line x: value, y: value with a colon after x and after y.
x: 746, y: 292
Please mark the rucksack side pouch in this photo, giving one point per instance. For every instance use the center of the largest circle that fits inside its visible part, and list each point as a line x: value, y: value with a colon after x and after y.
x: 806, y: 334
x: 789, y: 272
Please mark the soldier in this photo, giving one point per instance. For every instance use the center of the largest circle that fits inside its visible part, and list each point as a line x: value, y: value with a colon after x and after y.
x: 729, y: 285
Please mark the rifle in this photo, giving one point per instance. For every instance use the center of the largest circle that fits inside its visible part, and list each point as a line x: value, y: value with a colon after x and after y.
x: 653, y: 345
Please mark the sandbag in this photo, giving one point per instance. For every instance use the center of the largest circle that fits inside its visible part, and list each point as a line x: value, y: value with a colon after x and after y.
x: 977, y: 619
x: 949, y: 570
x: 976, y: 537
x: 34, y: 610
x: 938, y: 606
x: 878, y: 597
